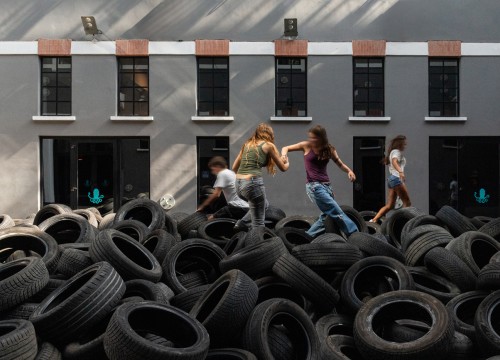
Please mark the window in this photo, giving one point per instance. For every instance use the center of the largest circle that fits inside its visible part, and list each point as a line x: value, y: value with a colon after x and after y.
x: 213, y: 86
x: 443, y: 87
x: 291, y: 86
x: 368, y: 86
x: 133, y: 86
x: 56, y: 86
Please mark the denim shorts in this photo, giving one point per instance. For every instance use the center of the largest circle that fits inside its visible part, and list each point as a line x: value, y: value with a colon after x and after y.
x: 393, y: 181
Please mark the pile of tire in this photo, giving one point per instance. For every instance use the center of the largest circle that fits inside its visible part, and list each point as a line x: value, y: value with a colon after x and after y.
x: 145, y: 284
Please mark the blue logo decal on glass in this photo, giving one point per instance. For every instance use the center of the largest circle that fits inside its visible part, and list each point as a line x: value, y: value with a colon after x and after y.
x: 482, y: 198
x: 95, y: 198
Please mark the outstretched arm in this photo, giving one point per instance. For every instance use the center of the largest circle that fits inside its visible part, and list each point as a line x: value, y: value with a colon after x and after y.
x: 301, y: 146
x: 343, y: 167
x: 271, y: 149
x: 215, y: 195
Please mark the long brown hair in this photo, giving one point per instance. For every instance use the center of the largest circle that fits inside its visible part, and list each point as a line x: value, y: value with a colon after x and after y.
x: 263, y: 132
x: 396, y: 143
x: 326, y: 150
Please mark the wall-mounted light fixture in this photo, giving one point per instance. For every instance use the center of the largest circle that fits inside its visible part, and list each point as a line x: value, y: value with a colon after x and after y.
x: 90, y: 26
x: 291, y: 30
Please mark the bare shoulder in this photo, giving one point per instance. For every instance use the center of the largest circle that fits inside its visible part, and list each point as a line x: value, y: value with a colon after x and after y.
x: 269, y: 147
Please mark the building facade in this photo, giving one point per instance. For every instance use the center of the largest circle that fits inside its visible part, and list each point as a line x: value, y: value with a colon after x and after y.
x: 168, y: 84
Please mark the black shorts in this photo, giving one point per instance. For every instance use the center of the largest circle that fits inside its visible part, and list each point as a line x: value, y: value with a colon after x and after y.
x: 231, y: 212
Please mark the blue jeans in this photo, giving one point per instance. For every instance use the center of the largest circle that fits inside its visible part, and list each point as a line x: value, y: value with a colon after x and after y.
x: 254, y: 192
x: 322, y: 195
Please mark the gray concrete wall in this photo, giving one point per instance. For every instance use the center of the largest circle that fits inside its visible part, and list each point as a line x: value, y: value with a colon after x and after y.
x: 256, y: 20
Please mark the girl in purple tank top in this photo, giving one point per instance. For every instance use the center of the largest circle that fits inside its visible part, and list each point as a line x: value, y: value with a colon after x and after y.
x: 317, y: 154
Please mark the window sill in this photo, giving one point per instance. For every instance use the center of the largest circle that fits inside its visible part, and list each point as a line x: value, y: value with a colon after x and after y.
x: 370, y: 118
x: 54, y: 118
x: 212, y: 118
x: 446, y: 118
x: 132, y: 118
x: 292, y: 118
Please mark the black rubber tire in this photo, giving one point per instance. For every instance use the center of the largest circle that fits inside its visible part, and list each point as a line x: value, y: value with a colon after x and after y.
x: 420, y: 231
x: 292, y: 237
x: 178, y: 216
x: 52, y: 285
x: 186, y: 300
x: 432, y: 284
x: 188, y: 256
x: 444, y: 263
x: 50, y: 210
x: 219, y: 231
x: 341, y: 347
x: 146, y: 211
x: 462, y: 310
x: 73, y: 261
x: 68, y: 228
x: 159, y: 242
x: 475, y: 249
x: 295, y: 221
x: 6, y: 221
x: 193, y: 279
x: 307, y: 282
x: 456, y: 222
x: 236, y: 243
x: 373, y: 228
x: 274, y: 214
x: 107, y: 221
x: 334, y: 324
x: 47, y: 351
x: 20, y: 280
x: 265, y: 315
x: 122, y: 341
x: 334, y: 256
x: 356, y: 217
x: 80, y: 303
x: 144, y: 289
x: 191, y: 222
x: 133, y: 228
x: 462, y: 348
x: 415, y: 254
x: 20, y: 312
x: 170, y: 224
x: 397, y: 221
x: 370, y: 277
x: 414, y: 223
x: 255, y: 260
x: 373, y: 246
x: 230, y: 354
x: 367, y: 215
x: 127, y: 256
x: 487, y: 324
x: 32, y: 241
x: 383, y: 309
x: 492, y: 228
x: 257, y: 235
x: 271, y: 287
x: 495, y: 258
x: 87, y: 215
x: 489, y: 277
x: 328, y: 237
x: 224, y: 308
x: 17, y: 340
x: 406, y: 330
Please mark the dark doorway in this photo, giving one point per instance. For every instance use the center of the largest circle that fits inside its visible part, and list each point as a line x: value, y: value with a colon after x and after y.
x: 464, y: 172
x: 94, y: 172
x: 208, y: 147
x: 369, y: 187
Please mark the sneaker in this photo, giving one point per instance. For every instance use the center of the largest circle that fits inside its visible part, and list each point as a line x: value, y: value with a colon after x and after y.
x: 240, y: 226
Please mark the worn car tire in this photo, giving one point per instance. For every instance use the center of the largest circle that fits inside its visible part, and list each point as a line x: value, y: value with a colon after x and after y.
x: 489, y: 277
x: 219, y: 231
x: 492, y: 228
x: 397, y: 221
x: 224, y: 308
x: 334, y: 324
x: 295, y: 221
x: 68, y: 228
x: 123, y: 339
x: 341, y: 347
x: 292, y: 237
x: 20, y: 280
x: 373, y: 246
x: 191, y: 222
x: 415, y: 253
x: 133, y: 228
x: 159, y: 242
x: 186, y: 300
x: 50, y: 210
x: 127, y: 256
x: 456, y: 222
x: 432, y: 284
x: 144, y: 210
x: 88, y: 215
x: 80, y: 303
x: 17, y: 340
x: 73, y: 261
x: 230, y: 354
x: 462, y: 310
x: 47, y: 351
x: 335, y: 256
x: 381, y: 310
x: 257, y: 235
x: 144, y: 289
x: 487, y: 324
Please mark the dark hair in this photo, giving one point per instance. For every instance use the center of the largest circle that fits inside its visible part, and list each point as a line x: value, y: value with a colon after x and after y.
x: 217, y: 161
x: 396, y: 143
x: 326, y: 149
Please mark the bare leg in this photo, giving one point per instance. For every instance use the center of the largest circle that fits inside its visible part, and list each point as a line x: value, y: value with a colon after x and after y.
x: 402, y: 192
x: 391, y: 202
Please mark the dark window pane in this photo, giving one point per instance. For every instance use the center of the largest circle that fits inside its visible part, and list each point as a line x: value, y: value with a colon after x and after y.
x: 220, y: 95
x: 221, y: 79
x: 221, y: 63
x: 360, y: 65
x: 443, y: 87
x: 284, y: 80
x: 49, y: 108
x: 126, y: 109
x: 49, y: 79
x: 376, y: 95
x: 283, y: 95
x: 450, y: 80
x: 49, y: 64
x: 203, y: 61
x: 361, y: 80
x: 64, y: 79
x: 436, y: 95
x: 360, y: 109
x: 376, y: 109
x: 127, y: 79
x: 213, y: 86
x: 435, y: 109
x: 141, y: 108
x: 205, y: 108
x: 126, y: 64
x: 221, y: 109
x: 291, y: 86
x: 126, y: 94
x: 450, y: 109
x: 376, y: 80
x: 205, y: 80
x: 361, y: 95
x: 299, y: 95
x: 435, y: 80
x: 299, y: 80
x: 141, y: 94
x: 64, y: 64
x: 368, y: 95
x: 64, y: 108
x: 205, y: 95
x: 141, y: 64
x: 450, y: 95
x: 49, y: 94
x: 64, y: 94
